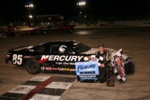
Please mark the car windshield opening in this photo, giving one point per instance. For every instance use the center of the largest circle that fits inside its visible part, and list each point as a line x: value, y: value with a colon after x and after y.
x: 80, y: 48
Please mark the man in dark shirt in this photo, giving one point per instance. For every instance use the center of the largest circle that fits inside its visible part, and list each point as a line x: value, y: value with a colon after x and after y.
x: 103, y: 58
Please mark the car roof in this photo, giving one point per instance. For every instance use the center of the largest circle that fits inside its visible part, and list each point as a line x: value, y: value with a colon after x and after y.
x: 67, y: 42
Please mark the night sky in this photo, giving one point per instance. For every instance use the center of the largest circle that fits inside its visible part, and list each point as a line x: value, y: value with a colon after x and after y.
x: 15, y: 9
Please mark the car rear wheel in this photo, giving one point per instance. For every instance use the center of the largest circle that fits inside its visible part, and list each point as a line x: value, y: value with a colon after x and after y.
x: 32, y: 66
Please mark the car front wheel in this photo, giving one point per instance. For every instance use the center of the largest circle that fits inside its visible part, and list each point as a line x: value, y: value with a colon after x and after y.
x: 129, y: 68
x: 32, y: 66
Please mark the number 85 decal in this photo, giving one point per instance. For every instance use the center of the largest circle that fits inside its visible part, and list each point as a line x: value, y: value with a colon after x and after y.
x: 17, y: 59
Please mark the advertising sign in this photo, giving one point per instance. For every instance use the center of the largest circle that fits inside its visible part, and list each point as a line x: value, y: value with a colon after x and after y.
x: 87, y: 71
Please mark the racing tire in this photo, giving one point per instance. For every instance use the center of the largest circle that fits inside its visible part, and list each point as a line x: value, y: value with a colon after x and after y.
x: 32, y: 66
x: 78, y: 78
x: 129, y: 68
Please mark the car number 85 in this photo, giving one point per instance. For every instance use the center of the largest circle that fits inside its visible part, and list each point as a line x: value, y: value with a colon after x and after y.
x: 17, y: 59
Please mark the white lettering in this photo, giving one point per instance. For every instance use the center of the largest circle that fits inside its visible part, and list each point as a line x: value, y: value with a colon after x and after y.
x: 56, y: 58
x: 17, y: 59
x: 74, y: 58
x: 62, y: 58
x: 45, y: 57
x: 72, y: 63
x: 51, y: 57
x: 68, y: 58
x: 65, y: 63
x: 79, y: 58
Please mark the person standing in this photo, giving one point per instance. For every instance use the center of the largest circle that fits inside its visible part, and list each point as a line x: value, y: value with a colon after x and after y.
x: 103, y: 58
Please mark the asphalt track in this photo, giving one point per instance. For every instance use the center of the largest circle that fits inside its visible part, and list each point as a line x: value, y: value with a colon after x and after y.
x: 39, y: 88
x: 135, y: 42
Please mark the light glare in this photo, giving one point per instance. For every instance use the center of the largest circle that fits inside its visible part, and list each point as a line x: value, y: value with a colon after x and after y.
x: 82, y: 3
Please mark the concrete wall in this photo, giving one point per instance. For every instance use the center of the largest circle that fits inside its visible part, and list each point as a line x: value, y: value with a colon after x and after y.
x: 132, y: 22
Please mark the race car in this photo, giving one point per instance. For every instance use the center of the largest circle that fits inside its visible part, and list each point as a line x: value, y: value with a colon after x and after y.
x: 55, y: 56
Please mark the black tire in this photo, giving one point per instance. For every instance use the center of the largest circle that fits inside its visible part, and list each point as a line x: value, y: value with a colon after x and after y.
x: 78, y: 78
x: 32, y: 66
x: 129, y: 68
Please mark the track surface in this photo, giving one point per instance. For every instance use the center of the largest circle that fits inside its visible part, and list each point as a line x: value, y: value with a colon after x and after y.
x: 39, y: 88
x: 135, y: 42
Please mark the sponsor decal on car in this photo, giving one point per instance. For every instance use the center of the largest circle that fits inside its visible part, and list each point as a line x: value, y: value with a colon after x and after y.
x: 43, y: 60
x: 57, y: 69
x: 65, y: 69
x: 72, y: 58
x: 17, y: 59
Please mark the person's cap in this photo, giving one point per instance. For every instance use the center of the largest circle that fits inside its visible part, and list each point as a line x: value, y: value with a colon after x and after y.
x: 101, y: 45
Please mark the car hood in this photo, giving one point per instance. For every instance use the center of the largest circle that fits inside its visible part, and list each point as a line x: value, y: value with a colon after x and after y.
x: 91, y: 51
x: 112, y: 51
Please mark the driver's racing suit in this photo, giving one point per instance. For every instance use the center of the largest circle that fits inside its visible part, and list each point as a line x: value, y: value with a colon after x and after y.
x: 103, y: 58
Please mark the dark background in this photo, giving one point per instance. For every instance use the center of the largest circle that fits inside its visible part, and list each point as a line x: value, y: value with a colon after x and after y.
x: 15, y: 9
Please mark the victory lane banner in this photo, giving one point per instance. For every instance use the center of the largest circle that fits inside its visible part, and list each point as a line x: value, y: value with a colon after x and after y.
x: 87, y: 71
x: 40, y: 88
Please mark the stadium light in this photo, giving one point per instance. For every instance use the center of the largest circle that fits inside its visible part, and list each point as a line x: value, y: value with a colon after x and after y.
x: 30, y: 16
x: 81, y: 3
x: 29, y: 6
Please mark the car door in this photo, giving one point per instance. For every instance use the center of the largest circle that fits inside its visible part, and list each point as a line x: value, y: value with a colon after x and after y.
x: 64, y: 59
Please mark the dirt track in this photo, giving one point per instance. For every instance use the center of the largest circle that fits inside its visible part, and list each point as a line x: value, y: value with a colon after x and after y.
x: 135, y: 42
